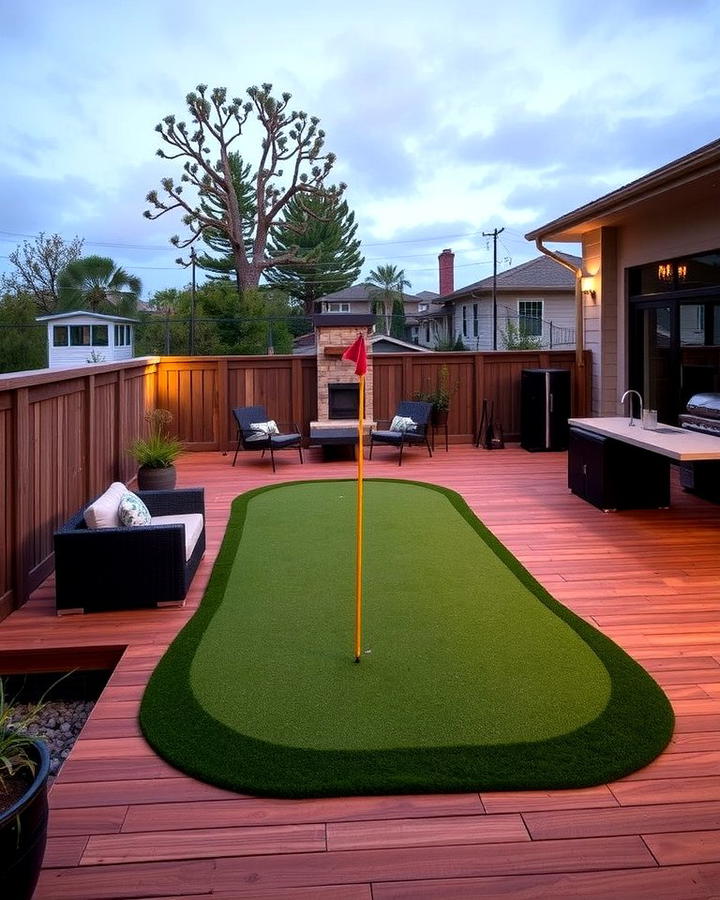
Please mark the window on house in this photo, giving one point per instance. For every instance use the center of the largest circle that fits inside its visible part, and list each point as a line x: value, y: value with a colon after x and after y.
x: 423, y: 307
x: 99, y: 335
x: 530, y: 316
x: 692, y: 324
x: 427, y: 332
x: 475, y: 320
x: 60, y: 336
x: 335, y: 307
x: 464, y: 321
x: 79, y: 335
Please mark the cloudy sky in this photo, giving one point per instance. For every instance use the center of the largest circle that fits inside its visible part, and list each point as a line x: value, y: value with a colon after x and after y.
x: 448, y: 119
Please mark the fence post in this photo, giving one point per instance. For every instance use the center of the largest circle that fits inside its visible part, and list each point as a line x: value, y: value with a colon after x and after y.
x: 479, y: 390
x: 22, y: 507
x: 223, y: 405
x: 90, y: 427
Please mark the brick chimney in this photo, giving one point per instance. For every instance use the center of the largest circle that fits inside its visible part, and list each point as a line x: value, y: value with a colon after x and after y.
x: 446, y: 262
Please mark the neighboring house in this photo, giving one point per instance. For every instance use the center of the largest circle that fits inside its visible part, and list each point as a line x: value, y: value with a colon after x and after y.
x: 379, y: 343
x: 535, y: 300
x: 357, y: 300
x: 76, y: 338
x: 650, y: 284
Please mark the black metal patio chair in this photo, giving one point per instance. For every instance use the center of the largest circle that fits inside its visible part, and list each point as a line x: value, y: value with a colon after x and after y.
x: 402, y: 432
x: 263, y: 436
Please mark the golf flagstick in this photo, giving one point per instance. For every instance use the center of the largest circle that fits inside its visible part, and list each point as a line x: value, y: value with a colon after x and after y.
x: 359, y: 526
x: 357, y: 353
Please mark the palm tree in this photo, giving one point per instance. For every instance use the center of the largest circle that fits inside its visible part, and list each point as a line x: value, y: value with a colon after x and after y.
x: 385, y: 286
x: 97, y: 284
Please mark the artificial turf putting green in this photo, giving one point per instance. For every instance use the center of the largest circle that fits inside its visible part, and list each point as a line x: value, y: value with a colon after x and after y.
x: 476, y: 678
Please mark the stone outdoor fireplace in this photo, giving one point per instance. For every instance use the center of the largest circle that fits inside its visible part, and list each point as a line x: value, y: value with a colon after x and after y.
x: 337, y: 384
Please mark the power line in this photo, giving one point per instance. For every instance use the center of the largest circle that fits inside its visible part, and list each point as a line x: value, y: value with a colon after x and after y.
x: 124, y: 246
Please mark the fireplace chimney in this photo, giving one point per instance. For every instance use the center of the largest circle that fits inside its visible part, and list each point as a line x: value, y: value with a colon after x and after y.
x: 446, y: 261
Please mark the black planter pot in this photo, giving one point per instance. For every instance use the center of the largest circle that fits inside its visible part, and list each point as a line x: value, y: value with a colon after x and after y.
x: 162, y: 479
x: 439, y: 417
x: 23, y: 834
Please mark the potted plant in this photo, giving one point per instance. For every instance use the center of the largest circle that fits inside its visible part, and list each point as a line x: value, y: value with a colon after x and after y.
x: 24, y: 769
x: 439, y: 395
x: 156, y: 453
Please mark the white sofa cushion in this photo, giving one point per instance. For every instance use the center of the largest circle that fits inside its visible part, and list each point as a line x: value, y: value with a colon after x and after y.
x: 104, y: 512
x: 193, y: 523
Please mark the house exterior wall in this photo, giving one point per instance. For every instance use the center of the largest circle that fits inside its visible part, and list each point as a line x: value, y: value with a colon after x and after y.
x: 558, y: 309
x: 601, y: 316
x: 681, y: 229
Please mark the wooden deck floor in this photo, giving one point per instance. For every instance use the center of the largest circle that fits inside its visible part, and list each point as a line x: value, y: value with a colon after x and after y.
x: 125, y: 824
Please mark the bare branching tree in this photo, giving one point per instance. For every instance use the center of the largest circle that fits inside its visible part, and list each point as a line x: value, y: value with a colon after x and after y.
x: 291, y: 163
x: 37, y: 266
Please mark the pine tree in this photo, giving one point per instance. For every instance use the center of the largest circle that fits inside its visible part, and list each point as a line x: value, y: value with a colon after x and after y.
x: 213, y: 207
x: 321, y: 231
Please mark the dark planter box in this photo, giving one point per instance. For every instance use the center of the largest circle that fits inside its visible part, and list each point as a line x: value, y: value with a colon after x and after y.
x: 23, y: 835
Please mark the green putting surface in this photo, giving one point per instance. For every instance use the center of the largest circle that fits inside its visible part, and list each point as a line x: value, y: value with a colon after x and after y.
x: 473, y: 676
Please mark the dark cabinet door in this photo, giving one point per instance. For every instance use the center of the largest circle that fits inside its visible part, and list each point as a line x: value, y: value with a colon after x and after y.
x: 611, y: 474
x: 544, y: 409
x: 587, y: 469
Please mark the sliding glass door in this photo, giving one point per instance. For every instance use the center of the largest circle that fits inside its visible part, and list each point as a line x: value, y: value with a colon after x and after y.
x: 674, y: 352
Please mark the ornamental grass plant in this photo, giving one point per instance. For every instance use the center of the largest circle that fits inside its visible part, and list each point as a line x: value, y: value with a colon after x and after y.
x: 159, y: 449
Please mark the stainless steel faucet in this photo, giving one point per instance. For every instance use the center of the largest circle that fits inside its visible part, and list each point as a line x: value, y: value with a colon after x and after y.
x: 637, y: 394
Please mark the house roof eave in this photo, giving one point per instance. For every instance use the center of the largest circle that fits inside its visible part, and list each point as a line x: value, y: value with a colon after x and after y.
x: 694, y: 173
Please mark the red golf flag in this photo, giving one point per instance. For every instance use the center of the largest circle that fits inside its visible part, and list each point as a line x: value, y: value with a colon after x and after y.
x: 357, y: 353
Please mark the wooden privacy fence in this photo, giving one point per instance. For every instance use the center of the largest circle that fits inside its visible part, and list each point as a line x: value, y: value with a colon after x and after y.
x: 64, y: 434
x: 201, y: 392
x: 63, y: 439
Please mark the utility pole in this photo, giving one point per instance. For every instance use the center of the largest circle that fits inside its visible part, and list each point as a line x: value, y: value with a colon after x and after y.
x: 191, y: 325
x: 494, y: 235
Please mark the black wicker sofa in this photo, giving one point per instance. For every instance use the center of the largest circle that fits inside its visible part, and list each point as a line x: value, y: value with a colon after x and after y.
x: 112, y: 568
x: 702, y: 414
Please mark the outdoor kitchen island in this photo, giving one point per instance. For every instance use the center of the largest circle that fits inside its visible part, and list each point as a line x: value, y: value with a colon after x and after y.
x: 615, y: 465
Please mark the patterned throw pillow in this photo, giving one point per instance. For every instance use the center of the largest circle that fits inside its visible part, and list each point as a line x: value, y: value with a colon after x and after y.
x: 265, y: 428
x: 403, y: 423
x: 132, y: 510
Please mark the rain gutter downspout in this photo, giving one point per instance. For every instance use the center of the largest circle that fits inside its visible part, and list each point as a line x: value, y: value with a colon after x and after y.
x: 579, y: 323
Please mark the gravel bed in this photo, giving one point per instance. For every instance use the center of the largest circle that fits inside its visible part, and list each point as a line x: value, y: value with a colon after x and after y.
x: 58, y: 723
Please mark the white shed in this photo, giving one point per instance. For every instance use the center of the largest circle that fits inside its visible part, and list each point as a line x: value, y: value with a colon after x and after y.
x: 77, y: 338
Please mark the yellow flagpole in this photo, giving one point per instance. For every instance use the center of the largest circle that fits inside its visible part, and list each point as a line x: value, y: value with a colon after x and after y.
x: 359, y: 525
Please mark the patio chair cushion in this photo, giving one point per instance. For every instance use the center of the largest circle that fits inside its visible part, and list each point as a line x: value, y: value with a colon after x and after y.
x: 403, y: 423
x: 105, y: 511
x: 132, y: 510
x: 265, y: 428
x: 193, y: 523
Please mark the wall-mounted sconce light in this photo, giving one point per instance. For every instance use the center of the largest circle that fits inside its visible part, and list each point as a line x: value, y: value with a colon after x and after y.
x: 665, y: 272
x: 587, y: 285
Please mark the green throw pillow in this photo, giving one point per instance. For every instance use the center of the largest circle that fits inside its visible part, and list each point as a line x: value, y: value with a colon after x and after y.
x: 132, y: 511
